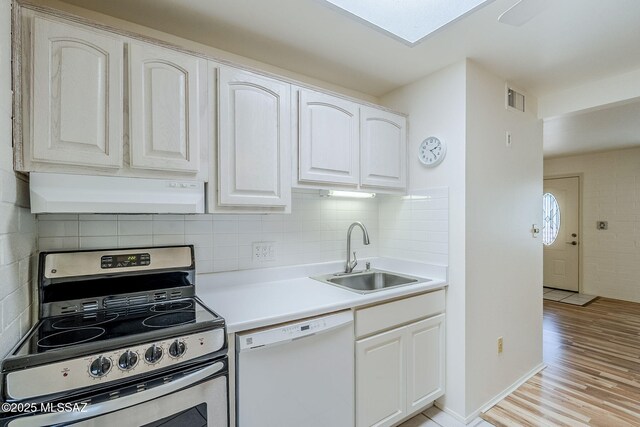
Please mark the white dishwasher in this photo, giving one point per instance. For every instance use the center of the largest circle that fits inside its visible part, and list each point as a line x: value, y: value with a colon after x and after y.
x: 297, y: 374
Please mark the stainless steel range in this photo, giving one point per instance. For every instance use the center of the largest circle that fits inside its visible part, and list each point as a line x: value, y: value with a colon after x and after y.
x: 122, y: 340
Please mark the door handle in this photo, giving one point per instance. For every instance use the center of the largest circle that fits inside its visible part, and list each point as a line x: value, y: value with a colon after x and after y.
x: 574, y: 243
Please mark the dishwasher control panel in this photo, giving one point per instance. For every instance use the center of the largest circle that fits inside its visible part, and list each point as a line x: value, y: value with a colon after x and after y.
x: 292, y: 331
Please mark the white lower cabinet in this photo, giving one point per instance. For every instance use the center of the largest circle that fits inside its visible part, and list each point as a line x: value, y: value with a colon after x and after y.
x: 381, y: 379
x: 425, y: 362
x: 399, y: 371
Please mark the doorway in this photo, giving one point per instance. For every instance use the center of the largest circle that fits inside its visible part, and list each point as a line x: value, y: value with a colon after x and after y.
x: 561, y: 233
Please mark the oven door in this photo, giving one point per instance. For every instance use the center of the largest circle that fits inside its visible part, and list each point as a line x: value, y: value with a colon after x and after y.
x: 197, y: 399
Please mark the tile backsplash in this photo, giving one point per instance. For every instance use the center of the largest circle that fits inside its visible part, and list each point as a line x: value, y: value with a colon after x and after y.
x: 415, y: 227
x: 315, y: 231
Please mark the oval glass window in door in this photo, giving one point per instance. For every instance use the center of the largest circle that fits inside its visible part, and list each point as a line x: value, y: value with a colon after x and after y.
x: 550, y: 218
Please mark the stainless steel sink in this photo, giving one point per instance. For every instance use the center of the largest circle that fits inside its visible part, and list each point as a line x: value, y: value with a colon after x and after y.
x: 369, y: 281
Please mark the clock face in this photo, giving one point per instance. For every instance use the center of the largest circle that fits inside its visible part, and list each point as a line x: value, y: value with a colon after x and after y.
x: 431, y: 151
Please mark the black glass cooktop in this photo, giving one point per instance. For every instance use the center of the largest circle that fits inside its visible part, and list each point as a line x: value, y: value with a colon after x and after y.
x: 133, y: 322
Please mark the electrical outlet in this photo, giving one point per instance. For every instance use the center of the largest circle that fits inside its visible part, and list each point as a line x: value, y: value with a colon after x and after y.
x: 264, y: 251
x: 508, y: 139
x: 500, y: 345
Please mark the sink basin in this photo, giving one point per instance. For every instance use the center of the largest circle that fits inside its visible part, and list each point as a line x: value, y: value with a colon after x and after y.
x: 369, y: 281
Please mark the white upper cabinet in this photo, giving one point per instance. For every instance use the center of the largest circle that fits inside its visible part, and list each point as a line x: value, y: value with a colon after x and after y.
x: 341, y: 143
x: 328, y: 138
x: 383, y: 149
x: 76, y: 95
x: 254, y: 137
x: 167, y: 98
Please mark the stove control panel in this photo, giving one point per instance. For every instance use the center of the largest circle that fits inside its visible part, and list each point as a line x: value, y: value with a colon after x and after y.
x: 85, y: 371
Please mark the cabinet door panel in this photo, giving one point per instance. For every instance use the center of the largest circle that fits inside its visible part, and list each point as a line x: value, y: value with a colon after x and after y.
x: 380, y: 379
x: 425, y: 361
x: 77, y: 96
x: 164, y: 99
x: 329, y: 138
x: 383, y: 151
x: 254, y: 138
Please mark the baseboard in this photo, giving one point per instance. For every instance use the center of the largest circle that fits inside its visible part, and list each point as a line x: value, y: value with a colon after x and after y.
x: 506, y: 392
x: 489, y: 404
x: 454, y: 414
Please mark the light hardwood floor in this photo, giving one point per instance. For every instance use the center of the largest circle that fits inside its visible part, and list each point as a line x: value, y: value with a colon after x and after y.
x: 593, y: 370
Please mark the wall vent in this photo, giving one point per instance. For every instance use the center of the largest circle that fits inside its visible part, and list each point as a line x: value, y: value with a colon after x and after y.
x: 515, y: 100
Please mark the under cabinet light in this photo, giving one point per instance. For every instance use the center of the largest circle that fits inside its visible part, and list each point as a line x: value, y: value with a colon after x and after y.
x: 415, y: 197
x: 352, y: 194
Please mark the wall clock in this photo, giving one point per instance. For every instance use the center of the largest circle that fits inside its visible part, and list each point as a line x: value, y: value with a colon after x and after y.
x: 432, y: 151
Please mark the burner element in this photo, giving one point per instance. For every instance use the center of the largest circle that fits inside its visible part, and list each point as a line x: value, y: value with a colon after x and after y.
x: 84, y: 320
x: 171, y: 306
x: 70, y: 336
x: 173, y: 318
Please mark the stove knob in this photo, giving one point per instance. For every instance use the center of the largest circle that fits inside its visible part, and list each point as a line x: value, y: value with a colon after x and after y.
x: 100, y: 367
x: 153, y: 354
x: 128, y: 360
x: 177, y: 348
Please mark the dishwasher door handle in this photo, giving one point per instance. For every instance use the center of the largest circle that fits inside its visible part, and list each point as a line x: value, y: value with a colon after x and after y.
x: 292, y: 331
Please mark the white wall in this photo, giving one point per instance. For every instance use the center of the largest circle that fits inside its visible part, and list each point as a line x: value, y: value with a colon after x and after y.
x: 495, y: 266
x: 436, y: 105
x: 610, y: 192
x: 503, y: 260
x: 17, y: 225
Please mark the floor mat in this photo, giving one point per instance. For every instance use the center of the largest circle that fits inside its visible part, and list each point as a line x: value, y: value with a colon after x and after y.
x: 567, y: 297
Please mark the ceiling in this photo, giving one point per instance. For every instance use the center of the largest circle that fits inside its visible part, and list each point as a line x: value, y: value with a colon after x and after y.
x: 605, y: 129
x: 571, y: 42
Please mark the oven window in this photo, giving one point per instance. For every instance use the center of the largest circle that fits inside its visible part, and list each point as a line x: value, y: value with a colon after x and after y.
x: 192, y: 417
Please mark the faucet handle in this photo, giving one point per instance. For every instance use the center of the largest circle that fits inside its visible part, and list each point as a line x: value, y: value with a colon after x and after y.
x: 355, y: 260
x: 367, y: 266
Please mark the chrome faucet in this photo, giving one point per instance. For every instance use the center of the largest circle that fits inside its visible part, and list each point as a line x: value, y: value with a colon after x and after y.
x: 365, y: 239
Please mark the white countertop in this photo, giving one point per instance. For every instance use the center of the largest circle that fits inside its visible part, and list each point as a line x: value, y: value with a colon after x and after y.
x: 257, y: 298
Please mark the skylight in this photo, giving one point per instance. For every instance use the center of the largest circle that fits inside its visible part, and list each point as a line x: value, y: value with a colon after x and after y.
x: 409, y: 20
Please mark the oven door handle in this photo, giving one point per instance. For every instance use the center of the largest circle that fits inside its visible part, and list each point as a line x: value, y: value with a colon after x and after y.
x: 103, y: 408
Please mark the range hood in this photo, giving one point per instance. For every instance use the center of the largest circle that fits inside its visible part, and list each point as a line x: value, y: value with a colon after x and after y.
x: 62, y: 193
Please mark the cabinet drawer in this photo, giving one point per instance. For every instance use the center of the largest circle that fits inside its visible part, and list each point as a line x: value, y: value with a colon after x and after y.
x: 385, y: 316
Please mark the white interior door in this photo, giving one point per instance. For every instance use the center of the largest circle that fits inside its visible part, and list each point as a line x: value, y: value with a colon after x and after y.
x: 561, y: 233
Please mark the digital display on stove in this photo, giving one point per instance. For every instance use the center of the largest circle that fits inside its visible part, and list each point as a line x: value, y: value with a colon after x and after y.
x: 128, y: 260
